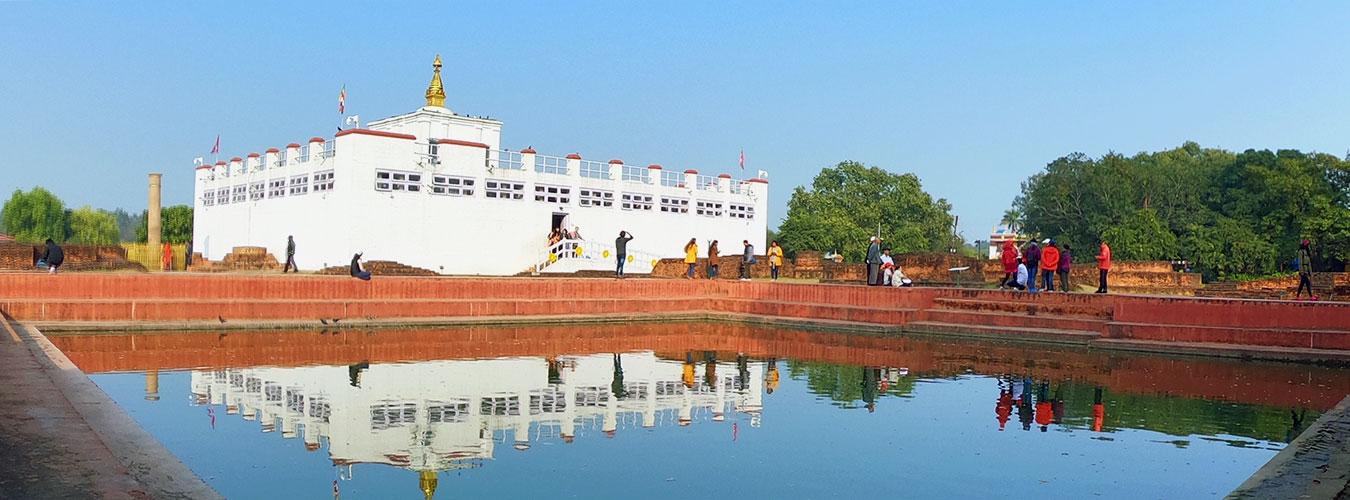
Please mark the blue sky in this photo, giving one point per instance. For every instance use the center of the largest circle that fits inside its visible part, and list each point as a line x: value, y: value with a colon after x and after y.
x: 971, y: 96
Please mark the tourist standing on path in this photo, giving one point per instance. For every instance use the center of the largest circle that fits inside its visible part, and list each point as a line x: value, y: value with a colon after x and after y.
x: 713, y: 254
x: 1103, y: 266
x: 1065, y: 263
x: 357, y: 272
x: 887, y: 266
x: 690, y: 258
x: 290, y: 256
x: 1304, y: 258
x: 53, y: 256
x: 747, y: 260
x: 874, y: 262
x: 1032, y: 258
x: 1009, y: 258
x: 1050, y: 256
x: 621, y: 252
x: 775, y: 259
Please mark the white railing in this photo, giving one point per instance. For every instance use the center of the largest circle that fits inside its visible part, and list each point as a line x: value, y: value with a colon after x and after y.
x: 708, y: 183
x: 280, y: 161
x: 636, y: 173
x: 504, y: 159
x: 594, y: 169
x: 328, y: 149
x: 586, y: 255
x: 550, y: 165
x: 304, y: 154
x: 672, y: 179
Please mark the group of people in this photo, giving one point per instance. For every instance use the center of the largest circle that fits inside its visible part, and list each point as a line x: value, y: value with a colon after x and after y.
x: 748, y: 259
x: 1034, y: 404
x: 1022, y: 267
x: 882, y: 270
x: 559, y: 234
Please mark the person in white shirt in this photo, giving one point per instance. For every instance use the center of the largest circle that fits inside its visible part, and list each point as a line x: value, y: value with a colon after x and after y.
x: 1021, y: 283
x: 887, y: 266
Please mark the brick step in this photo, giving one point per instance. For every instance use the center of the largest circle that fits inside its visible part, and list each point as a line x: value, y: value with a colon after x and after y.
x: 214, y: 309
x: 1052, y: 334
x: 1279, y: 337
x: 860, y: 314
x: 1027, y: 307
x: 1013, y: 320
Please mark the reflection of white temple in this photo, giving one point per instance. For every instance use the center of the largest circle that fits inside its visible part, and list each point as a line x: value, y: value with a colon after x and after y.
x: 442, y: 415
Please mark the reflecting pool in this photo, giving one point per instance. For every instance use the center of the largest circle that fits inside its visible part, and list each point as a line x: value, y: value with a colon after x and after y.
x: 695, y: 410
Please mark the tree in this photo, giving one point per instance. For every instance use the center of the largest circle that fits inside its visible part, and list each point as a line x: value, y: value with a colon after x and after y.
x: 175, y: 225
x: 1141, y: 235
x: 34, y: 216
x: 847, y: 202
x: 127, y: 224
x: 93, y: 227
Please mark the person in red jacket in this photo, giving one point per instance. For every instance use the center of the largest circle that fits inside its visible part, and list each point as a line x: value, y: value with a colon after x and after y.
x: 1103, y: 266
x: 1009, y: 262
x: 167, y: 261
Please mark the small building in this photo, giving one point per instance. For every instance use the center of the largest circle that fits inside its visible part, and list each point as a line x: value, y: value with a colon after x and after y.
x: 434, y: 189
x: 998, y: 236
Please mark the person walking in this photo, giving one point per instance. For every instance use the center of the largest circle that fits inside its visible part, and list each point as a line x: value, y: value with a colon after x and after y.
x: 1304, y: 258
x: 1009, y: 258
x: 690, y: 258
x: 874, y: 262
x: 1049, y: 256
x: 290, y: 256
x: 747, y: 260
x: 1032, y: 258
x: 621, y: 252
x: 53, y: 256
x: 775, y: 259
x: 1065, y: 264
x: 356, y: 270
x: 1103, y: 266
x: 713, y: 254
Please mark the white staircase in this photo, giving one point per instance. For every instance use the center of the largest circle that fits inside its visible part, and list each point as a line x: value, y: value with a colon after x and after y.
x: 571, y: 256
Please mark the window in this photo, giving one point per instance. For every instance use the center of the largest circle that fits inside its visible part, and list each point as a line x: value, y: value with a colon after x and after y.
x: 209, y: 197
x: 295, y: 400
x: 636, y: 201
x: 434, y: 153
x: 299, y: 185
x: 276, y: 188
x: 552, y: 194
x: 550, y: 165
x: 447, y: 411
x: 257, y: 191
x: 671, y: 178
x: 320, y: 409
x: 595, y: 198
x: 240, y: 194
x: 709, y: 208
x: 323, y: 181
x: 594, y: 169
x: 273, y: 392
x: 504, y: 190
x: 739, y: 211
x: 392, y: 414
x: 635, y: 173
x: 500, y: 405
x: 393, y: 180
x: 451, y: 186
x: 223, y: 195
x: 675, y: 205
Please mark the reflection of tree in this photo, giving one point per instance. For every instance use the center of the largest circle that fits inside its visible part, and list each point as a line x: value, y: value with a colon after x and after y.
x: 841, y: 384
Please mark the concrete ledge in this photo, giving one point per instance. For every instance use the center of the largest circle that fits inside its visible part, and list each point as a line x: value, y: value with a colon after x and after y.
x: 1315, y: 465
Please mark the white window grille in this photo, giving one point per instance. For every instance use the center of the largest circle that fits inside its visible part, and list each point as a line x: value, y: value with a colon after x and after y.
x: 504, y: 190
x: 672, y: 179
x: 223, y: 195
x: 552, y: 194
x: 299, y: 185
x: 295, y: 400
x: 674, y: 205
x: 209, y: 197
x: 500, y: 405
x: 595, y: 198
x: 253, y: 385
x: 550, y: 165
x: 709, y: 208
x: 320, y: 409
x: 592, y: 396
x: 328, y: 149
x: 447, y: 411
x: 739, y: 211
x: 280, y: 160
x: 434, y: 153
x: 636, y: 201
x: 323, y: 181
x: 594, y: 169
x: 392, y: 414
x: 708, y: 183
x: 635, y: 173
x: 304, y: 155
x: 451, y: 185
x: 394, y: 180
x: 740, y: 187
x: 509, y: 160
x: 240, y: 194
x: 257, y: 191
x: 276, y: 188
x: 272, y: 392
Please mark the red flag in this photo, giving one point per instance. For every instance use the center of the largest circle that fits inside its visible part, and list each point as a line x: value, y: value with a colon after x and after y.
x: 742, y: 159
x: 342, y: 100
x: 216, y: 149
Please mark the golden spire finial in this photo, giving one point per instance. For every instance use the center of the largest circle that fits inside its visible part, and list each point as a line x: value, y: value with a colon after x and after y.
x: 426, y: 481
x: 436, y: 93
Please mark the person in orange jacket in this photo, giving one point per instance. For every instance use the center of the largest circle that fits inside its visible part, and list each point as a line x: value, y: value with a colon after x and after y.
x: 167, y: 262
x: 1049, y: 264
x: 1103, y: 266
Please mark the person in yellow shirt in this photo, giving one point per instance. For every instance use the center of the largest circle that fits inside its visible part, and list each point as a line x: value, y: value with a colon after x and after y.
x: 775, y: 259
x: 691, y: 257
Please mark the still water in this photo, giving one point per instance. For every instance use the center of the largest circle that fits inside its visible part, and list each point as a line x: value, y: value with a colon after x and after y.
x: 696, y: 411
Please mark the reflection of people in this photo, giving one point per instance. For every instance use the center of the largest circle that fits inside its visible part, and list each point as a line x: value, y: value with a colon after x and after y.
x: 1098, y: 410
x: 1025, y: 410
x: 554, y: 371
x: 1296, y: 424
x: 742, y: 372
x: 1003, y: 409
x: 1044, y: 411
x: 710, y: 369
x: 1057, y: 405
x: 354, y: 372
x: 869, y: 387
x: 771, y: 377
x: 617, y: 386
x: 688, y: 377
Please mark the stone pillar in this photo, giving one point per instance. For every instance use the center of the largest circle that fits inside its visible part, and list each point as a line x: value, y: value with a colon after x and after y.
x: 152, y: 222
x: 152, y: 385
x: 574, y: 165
x: 616, y: 170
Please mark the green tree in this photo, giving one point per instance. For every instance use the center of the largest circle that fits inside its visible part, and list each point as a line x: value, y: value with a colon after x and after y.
x: 847, y: 202
x: 93, y: 227
x: 175, y: 225
x: 34, y: 216
x: 1141, y: 235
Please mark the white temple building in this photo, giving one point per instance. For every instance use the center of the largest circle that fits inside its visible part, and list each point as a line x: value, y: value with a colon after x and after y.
x: 434, y: 189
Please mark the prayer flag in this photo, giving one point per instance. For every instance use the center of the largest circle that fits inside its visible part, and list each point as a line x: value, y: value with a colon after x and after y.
x: 342, y: 100
x: 216, y: 149
x: 742, y: 159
